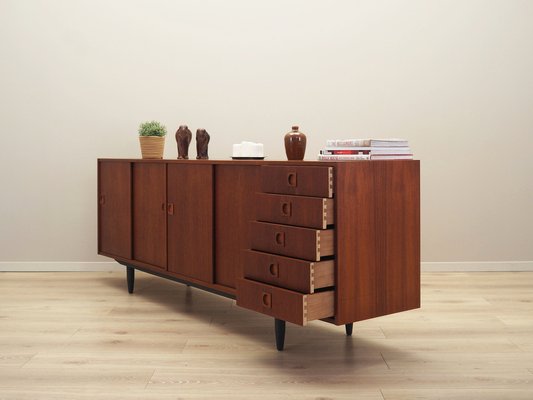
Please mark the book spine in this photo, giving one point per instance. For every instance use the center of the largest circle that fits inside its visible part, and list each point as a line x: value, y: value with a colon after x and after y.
x: 391, y: 157
x: 348, y: 142
x: 343, y: 157
x: 332, y: 152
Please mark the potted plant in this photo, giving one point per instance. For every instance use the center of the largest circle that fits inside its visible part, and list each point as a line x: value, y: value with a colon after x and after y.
x: 152, y: 139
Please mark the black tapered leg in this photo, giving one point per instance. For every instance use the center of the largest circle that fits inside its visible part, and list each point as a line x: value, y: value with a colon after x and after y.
x: 130, y: 273
x: 279, y: 326
x: 349, y: 329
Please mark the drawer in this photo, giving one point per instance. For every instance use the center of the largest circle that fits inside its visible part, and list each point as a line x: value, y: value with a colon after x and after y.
x: 297, y: 180
x: 306, y: 243
x: 289, y: 273
x: 284, y: 304
x: 312, y: 212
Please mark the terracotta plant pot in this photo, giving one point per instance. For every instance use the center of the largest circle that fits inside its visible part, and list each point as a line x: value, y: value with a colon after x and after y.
x: 152, y: 146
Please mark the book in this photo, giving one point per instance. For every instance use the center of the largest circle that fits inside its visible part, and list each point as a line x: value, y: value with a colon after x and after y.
x: 366, y: 150
x: 390, y: 150
x: 359, y: 150
x: 348, y: 142
x: 343, y: 157
x: 391, y: 142
x: 391, y: 157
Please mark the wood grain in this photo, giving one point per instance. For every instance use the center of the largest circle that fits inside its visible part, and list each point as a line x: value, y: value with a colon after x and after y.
x: 284, y: 304
x: 150, y: 214
x: 310, y: 212
x: 290, y: 273
x: 80, y: 335
x: 297, y: 180
x: 190, y: 220
x: 114, y: 208
x: 235, y: 188
x: 378, y: 245
x: 291, y: 241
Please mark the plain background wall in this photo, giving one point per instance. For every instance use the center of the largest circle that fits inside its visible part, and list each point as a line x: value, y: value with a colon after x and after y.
x: 455, y: 78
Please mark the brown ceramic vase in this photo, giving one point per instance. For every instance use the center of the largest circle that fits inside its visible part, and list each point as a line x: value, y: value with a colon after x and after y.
x: 295, y: 142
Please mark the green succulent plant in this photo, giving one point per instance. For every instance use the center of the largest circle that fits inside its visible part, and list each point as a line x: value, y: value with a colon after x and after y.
x: 152, y: 128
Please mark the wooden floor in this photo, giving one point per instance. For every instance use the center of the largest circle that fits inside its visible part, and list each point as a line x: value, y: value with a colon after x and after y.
x: 80, y: 335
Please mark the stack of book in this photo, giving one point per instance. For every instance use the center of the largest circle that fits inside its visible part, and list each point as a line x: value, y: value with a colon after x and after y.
x: 366, y: 149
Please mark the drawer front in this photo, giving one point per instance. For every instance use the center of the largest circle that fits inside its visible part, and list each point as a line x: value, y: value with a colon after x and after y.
x: 284, y: 304
x: 297, y: 180
x: 312, y: 212
x: 309, y: 244
x: 290, y: 273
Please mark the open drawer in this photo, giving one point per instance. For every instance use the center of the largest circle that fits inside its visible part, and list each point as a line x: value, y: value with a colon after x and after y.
x: 289, y: 273
x: 284, y: 304
x: 291, y: 241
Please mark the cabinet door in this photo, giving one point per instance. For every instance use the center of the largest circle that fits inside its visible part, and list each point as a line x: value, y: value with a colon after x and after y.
x: 235, y: 188
x: 114, y: 208
x: 149, y: 214
x: 190, y: 220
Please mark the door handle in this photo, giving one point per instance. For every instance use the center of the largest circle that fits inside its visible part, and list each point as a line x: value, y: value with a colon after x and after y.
x: 170, y: 209
x: 101, y: 200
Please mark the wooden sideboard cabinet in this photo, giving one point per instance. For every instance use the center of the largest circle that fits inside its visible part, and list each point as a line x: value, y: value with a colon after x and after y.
x: 295, y: 240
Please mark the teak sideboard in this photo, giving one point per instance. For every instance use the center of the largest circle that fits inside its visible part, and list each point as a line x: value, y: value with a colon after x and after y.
x: 298, y: 241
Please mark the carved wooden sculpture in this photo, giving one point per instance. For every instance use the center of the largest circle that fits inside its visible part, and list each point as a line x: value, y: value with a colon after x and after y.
x: 183, y: 138
x: 202, y: 141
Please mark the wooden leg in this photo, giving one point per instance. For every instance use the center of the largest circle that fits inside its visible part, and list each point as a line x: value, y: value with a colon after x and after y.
x: 349, y: 329
x: 130, y: 273
x: 279, y: 326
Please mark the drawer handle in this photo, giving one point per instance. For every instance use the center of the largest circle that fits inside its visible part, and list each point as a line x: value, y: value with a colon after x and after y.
x: 286, y: 208
x: 273, y: 268
x: 280, y: 238
x: 266, y: 299
x: 292, y: 179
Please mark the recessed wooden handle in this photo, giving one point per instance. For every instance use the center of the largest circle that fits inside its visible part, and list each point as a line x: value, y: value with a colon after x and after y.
x: 273, y: 268
x: 280, y: 238
x: 286, y: 208
x: 292, y: 179
x: 101, y: 200
x: 266, y: 299
x: 170, y: 208
x: 163, y: 206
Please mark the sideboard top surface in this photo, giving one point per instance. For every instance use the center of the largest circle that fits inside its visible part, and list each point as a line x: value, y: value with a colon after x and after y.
x: 252, y: 162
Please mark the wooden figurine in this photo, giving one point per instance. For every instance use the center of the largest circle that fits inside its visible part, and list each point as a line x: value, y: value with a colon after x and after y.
x: 202, y: 141
x: 183, y: 138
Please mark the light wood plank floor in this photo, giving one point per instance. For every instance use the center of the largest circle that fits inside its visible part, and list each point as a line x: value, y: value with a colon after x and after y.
x: 82, y: 336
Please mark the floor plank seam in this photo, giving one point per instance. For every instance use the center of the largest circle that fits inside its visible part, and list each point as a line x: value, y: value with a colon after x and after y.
x: 383, y: 332
x: 28, y: 360
x: 385, y: 361
x: 149, y: 380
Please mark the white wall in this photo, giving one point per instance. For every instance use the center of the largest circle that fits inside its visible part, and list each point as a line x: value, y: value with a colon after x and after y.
x: 453, y: 77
